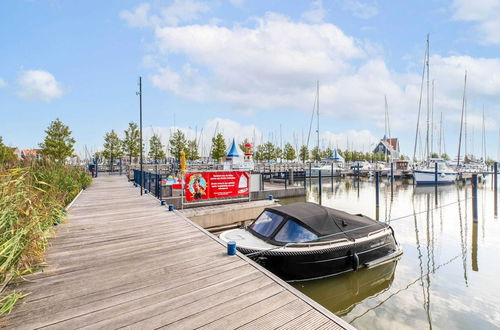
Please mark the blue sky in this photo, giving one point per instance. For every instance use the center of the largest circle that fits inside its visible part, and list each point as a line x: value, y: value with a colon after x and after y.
x: 246, y: 67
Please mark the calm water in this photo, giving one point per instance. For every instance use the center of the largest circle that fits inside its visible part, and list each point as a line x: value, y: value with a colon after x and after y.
x: 449, y: 274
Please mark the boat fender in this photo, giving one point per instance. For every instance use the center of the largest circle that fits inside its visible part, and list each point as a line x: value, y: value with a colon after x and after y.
x: 344, y: 224
x: 355, y: 261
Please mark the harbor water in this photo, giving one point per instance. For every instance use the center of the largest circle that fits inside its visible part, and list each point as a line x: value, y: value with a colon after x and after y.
x: 447, y: 277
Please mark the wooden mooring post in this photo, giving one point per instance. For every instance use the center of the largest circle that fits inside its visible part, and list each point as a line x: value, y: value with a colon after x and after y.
x: 377, y: 194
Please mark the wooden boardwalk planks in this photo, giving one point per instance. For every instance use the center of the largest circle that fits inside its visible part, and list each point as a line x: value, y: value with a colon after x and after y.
x: 122, y: 260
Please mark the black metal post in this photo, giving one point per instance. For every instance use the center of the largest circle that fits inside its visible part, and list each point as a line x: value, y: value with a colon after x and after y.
x: 319, y: 186
x: 377, y: 183
x: 495, y: 177
x: 310, y: 172
x: 120, y: 166
x: 474, y: 197
x: 140, y: 125
x: 331, y: 172
x: 435, y: 174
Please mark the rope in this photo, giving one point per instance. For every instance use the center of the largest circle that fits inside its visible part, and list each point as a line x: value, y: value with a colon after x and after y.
x: 352, y: 230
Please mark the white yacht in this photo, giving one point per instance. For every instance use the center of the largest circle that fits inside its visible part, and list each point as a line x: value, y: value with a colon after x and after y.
x: 427, y: 174
x: 331, y: 169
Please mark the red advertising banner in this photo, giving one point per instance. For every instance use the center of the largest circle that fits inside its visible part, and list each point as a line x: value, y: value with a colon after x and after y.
x: 208, y: 185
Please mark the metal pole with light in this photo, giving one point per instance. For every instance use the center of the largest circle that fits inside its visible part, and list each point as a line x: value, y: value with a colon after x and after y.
x: 140, y: 128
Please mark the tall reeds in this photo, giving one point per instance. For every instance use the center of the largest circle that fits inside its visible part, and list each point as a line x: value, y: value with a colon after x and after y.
x: 32, y: 200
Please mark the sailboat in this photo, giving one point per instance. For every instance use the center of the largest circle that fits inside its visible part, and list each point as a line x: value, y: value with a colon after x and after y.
x: 434, y: 170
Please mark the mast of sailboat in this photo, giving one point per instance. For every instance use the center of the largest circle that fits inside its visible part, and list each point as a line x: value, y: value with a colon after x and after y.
x: 432, y: 118
x: 440, y: 134
x: 483, y: 141
x: 428, y: 104
x: 462, y: 120
x: 420, y: 106
x: 317, y: 115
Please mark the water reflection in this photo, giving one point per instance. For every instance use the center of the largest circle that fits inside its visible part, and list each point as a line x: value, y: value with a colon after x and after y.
x: 342, y: 293
x: 437, y: 284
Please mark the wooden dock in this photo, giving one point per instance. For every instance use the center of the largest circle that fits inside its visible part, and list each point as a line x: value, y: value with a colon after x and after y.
x: 122, y: 260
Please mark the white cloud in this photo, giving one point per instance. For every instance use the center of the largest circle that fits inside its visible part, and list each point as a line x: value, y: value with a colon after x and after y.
x: 179, y: 11
x: 2, y: 83
x: 39, y: 85
x: 485, y: 13
x: 316, y: 14
x: 362, y: 140
x: 360, y: 9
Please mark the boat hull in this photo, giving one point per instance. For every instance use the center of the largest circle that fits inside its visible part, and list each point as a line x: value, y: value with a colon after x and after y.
x: 326, y: 172
x: 428, y: 177
x: 332, y: 260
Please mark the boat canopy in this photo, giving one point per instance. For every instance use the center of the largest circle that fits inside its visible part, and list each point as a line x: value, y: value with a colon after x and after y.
x: 324, y: 221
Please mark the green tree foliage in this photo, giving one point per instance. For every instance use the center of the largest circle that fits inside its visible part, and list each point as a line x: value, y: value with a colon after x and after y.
x: 156, y: 151
x: 132, y: 142
x: 218, y: 147
x: 112, y: 147
x: 178, y: 144
x: 434, y: 155
x: 6, y: 154
x: 266, y: 151
x: 304, y: 154
x: 316, y: 154
x: 328, y: 152
x: 289, y: 152
x: 58, y: 143
x: 445, y: 157
x: 192, y: 150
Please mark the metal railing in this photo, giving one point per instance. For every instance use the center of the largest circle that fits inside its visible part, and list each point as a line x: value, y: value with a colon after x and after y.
x: 149, y: 181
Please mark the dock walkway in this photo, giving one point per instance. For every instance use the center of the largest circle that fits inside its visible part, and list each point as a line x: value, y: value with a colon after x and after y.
x: 122, y: 260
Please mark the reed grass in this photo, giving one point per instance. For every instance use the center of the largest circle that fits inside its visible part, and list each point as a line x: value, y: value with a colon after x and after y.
x: 33, y: 197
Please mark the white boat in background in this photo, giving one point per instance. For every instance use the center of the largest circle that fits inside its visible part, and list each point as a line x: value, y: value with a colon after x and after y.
x: 325, y: 169
x: 427, y: 174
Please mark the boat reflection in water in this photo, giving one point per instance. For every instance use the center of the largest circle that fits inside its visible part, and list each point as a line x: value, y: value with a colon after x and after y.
x: 340, y: 294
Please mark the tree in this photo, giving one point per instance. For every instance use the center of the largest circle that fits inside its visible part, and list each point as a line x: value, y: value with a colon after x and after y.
x: 6, y: 153
x: 266, y: 151
x: 328, y: 152
x: 303, y: 154
x: 178, y: 144
x: 156, y: 148
x: 192, y: 150
x: 112, y: 147
x: 132, y: 142
x: 218, y: 147
x: 434, y: 155
x: 289, y: 152
x: 445, y: 157
x: 315, y: 154
x: 58, y: 143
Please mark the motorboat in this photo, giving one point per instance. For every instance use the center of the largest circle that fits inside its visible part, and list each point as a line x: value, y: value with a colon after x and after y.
x: 326, y: 170
x: 304, y: 241
x: 429, y: 175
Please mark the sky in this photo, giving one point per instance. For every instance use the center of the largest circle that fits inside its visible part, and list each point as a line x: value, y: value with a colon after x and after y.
x: 249, y: 69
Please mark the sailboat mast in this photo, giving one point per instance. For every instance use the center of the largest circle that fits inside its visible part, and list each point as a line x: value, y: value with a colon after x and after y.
x: 317, y: 115
x: 417, y: 131
x: 483, y: 141
x: 440, y: 134
x: 432, y: 118
x: 462, y: 120
x: 428, y: 103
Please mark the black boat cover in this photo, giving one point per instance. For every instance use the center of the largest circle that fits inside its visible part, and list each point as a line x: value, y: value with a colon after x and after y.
x: 327, y: 221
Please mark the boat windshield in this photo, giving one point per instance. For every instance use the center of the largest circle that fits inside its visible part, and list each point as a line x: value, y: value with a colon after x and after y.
x: 266, y: 223
x: 293, y: 232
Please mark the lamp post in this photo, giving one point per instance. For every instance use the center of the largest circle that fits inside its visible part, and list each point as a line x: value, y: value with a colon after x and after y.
x: 140, y: 129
